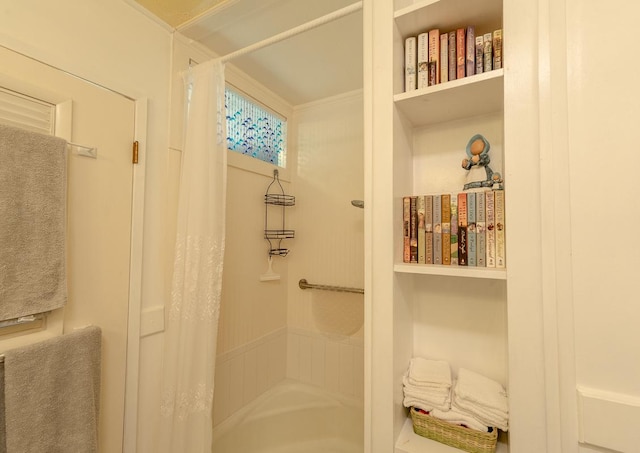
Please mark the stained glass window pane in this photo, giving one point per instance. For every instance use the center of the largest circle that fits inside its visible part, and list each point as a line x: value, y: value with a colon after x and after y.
x: 253, y: 130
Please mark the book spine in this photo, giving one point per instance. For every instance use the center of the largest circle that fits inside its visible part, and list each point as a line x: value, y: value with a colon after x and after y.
x: 444, y: 58
x: 406, y: 227
x: 413, y: 231
x: 410, y: 62
x: 462, y: 229
x: 453, y: 61
x: 488, y: 52
x: 471, y: 229
x: 454, y: 230
x: 423, y: 60
x: 471, y: 51
x: 437, y: 229
x: 433, y: 73
x: 497, y: 49
x: 500, y: 229
x: 460, y: 53
x: 446, y: 229
x: 428, y: 226
x: 479, y: 54
x: 481, y: 231
x: 491, y: 228
x: 434, y: 56
x: 420, y: 208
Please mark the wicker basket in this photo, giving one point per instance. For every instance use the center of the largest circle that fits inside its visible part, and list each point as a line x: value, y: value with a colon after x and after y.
x: 460, y: 437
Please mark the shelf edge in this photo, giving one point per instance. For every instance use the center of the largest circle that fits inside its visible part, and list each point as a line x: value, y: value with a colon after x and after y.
x: 452, y: 85
x: 412, y: 8
x: 451, y: 271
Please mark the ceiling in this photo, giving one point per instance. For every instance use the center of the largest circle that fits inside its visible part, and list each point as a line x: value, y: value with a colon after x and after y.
x: 316, y: 64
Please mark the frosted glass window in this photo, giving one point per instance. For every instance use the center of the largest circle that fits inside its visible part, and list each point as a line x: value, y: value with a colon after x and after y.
x: 253, y: 130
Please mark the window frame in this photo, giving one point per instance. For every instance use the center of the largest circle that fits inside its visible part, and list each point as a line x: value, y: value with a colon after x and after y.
x: 268, y: 100
x: 282, y: 155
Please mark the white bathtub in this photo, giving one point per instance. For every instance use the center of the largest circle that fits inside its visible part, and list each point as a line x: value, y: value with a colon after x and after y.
x: 293, y: 418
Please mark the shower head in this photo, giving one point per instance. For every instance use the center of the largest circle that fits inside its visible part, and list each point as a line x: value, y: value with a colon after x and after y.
x: 358, y: 203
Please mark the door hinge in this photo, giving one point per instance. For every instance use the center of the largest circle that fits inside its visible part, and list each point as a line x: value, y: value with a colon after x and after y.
x: 134, y: 158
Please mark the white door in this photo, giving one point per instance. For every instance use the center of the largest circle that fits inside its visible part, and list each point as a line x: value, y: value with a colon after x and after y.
x: 99, y: 216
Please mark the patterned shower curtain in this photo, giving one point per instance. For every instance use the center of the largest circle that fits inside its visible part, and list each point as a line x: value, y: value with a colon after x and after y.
x: 192, y: 326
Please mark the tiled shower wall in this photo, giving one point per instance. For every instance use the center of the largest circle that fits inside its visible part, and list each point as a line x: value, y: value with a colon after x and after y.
x: 335, y: 363
x: 248, y: 371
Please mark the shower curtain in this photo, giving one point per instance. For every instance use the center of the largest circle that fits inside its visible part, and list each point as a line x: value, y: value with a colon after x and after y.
x: 192, y: 326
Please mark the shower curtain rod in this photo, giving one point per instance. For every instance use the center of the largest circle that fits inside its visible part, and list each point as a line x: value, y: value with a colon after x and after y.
x: 294, y: 31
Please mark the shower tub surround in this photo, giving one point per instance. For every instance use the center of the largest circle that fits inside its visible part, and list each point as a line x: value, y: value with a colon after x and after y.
x: 291, y: 391
x: 332, y: 363
x: 294, y: 417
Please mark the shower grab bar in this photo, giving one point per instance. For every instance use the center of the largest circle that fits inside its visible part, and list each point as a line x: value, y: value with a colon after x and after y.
x: 303, y: 284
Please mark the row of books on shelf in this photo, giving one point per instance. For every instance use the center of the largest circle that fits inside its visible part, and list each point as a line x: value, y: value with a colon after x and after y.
x: 463, y: 229
x: 433, y: 57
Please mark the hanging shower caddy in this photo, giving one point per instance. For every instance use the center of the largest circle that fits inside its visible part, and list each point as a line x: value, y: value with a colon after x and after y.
x: 276, y: 201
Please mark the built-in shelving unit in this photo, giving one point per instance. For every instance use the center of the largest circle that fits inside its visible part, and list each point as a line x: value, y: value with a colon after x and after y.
x: 453, y: 313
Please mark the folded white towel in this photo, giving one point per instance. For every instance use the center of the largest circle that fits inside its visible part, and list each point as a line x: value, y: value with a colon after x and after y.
x: 442, y: 401
x: 426, y: 385
x: 487, y: 412
x: 480, y: 390
x: 457, y: 417
x: 482, y: 415
x: 415, y: 402
x: 429, y: 372
x: 428, y: 389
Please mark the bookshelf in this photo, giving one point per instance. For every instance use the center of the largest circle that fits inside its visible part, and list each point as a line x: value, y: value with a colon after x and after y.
x: 452, y: 313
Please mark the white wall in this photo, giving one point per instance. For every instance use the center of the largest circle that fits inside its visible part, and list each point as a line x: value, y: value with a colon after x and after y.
x: 111, y: 44
x: 603, y: 126
x: 603, y: 118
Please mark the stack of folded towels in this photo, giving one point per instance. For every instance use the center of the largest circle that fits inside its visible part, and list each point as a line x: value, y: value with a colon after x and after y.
x: 474, y: 401
x: 427, y: 384
x: 482, y: 398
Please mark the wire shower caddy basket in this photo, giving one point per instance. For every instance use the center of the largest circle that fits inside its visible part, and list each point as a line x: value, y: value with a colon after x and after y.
x: 276, y: 200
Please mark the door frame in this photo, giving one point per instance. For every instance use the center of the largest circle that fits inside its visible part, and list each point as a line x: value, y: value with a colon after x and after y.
x: 130, y: 433
x: 63, y: 129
